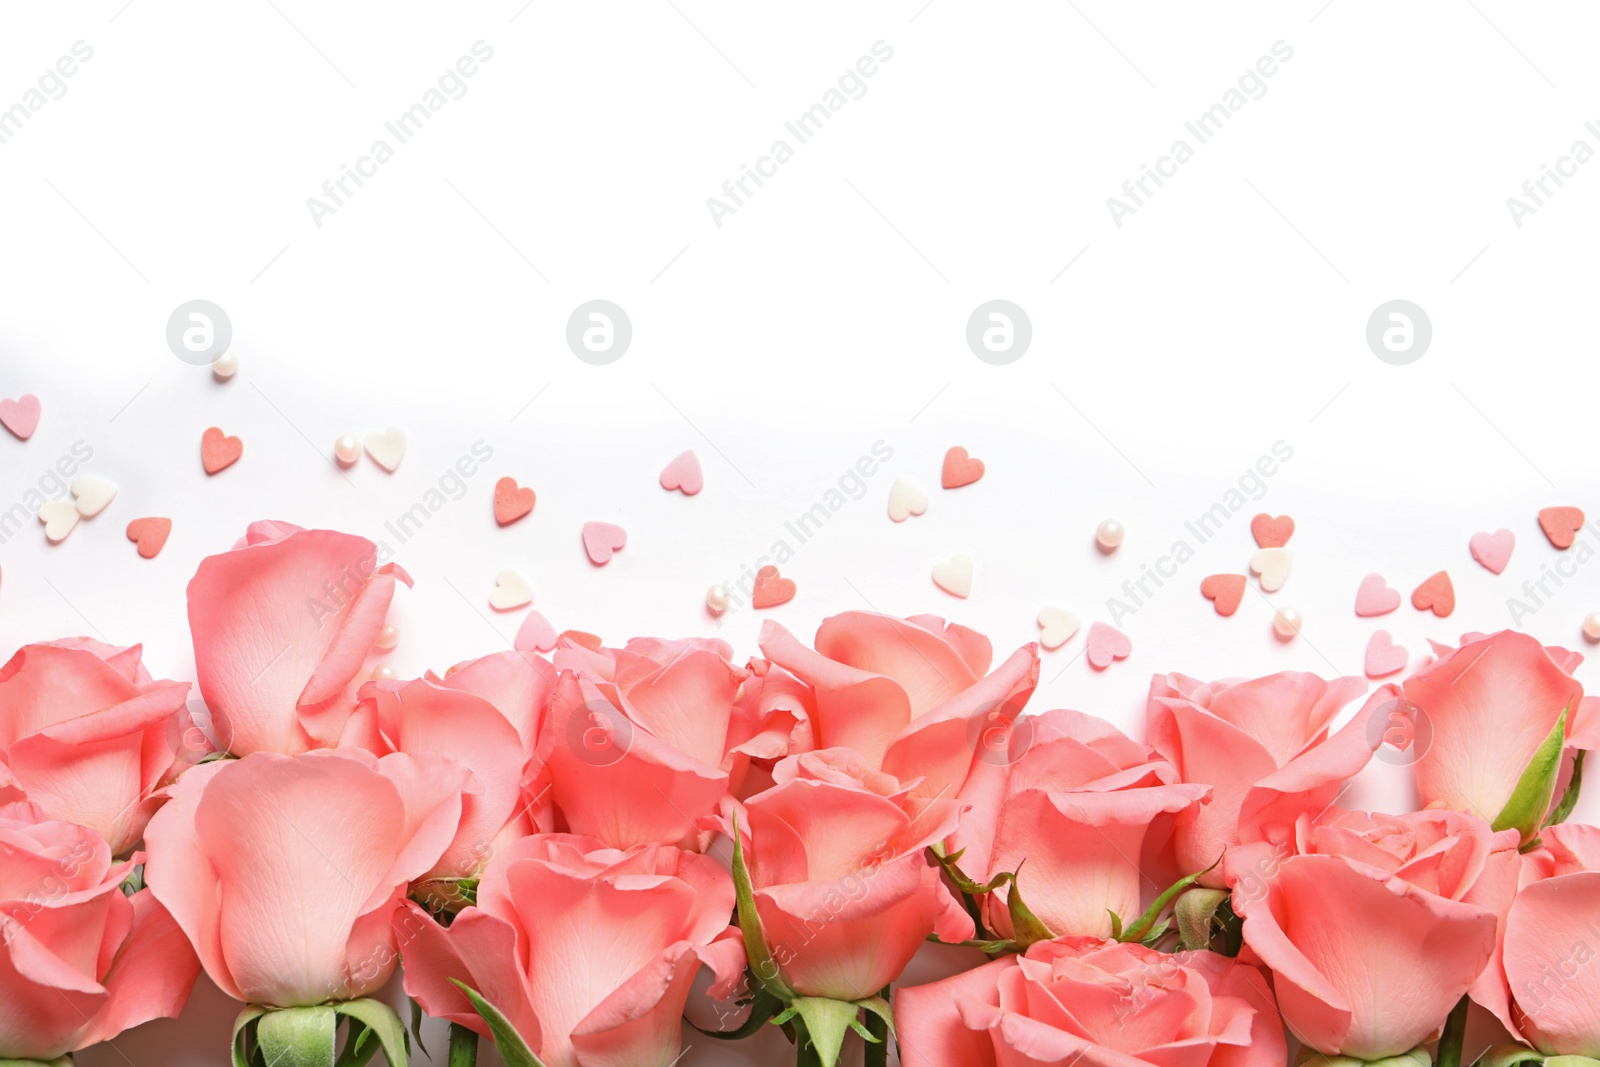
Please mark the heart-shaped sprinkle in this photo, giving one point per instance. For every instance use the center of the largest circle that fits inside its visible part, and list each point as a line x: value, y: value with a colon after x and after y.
x: 386, y: 448
x: 1561, y: 525
x: 1272, y: 565
x: 1375, y: 597
x: 683, y: 474
x: 92, y: 494
x: 1056, y: 626
x: 511, y: 591
x: 59, y: 518
x: 1225, y: 591
x: 1384, y: 656
x: 20, y: 416
x: 1436, y: 595
x: 535, y: 634
x: 602, y: 540
x: 954, y: 575
x: 960, y: 469
x: 771, y: 589
x: 1106, y: 643
x: 718, y: 598
x: 218, y: 451
x: 1271, y: 532
x: 511, y: 501
x: 1493, y: 550
x: 582, y: 638
x: 150, y: 535
x: 906, y: 498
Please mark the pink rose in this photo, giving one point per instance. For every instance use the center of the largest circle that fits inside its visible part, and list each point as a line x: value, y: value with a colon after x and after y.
x: 843, y: 886
x: 639, y: 743
x: 913, y: 696
x: 88, y: 735
x: 1103, y: 1003
x: 284, y: 871
x: 79, y: 961
x: 1547, y: 991
x: 485, y: 715
x: 1071, y: 812
x: 1490, y: 705
x: 589, y: 951
x: 1374, y: 925
x: 282, y: 625
x: 1263, y: 745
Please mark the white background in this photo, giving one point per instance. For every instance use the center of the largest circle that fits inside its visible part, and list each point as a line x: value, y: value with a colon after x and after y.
x: 827, y: 314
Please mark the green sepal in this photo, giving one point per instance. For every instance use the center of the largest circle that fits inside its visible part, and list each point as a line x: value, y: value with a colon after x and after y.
x: 880, y: 1007
x: 1571, y: 1061
x: 383, y: 1024
x: 242, y: 1039
x: 297, y: 1037
x: 1537, y: 787
x: 416, y: 1028
x: 64, y: 1061
x: 755, y: 941
x: 826, y: 1022
x: 1508, y: 1056
x: 1026, y: 928
x: 1142, y: 929
x: 962, y: 882
x: 512, y: 1048
x: 1116, y: 925
x: 1569, y: 799
x: 463, y: 1050
x: 1194, y: 912
x: 1417, y: 1057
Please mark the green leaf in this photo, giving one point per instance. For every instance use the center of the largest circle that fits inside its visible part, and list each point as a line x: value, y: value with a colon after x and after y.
x: 755, y: 941
x: 1569, y: 799
x: 242, y: 1034
x: 1194, y: 912
x: 1140, y: 930
x: 1026, y: 928
x: 826, y: 1023
x: 512, y: 1048
x: 1537, y: 787
x: 384, y: 1024
x: 297, y: 1037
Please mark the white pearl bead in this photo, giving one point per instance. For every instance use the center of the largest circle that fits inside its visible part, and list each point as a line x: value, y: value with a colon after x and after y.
x: 1591, y: 628
x: 388, y: 637
x: 718, y: 598
x: 347, y: 449
x: 383, y: 673
x: 1286, y: 623
x: 225, y: 366
x: 1109, y: 534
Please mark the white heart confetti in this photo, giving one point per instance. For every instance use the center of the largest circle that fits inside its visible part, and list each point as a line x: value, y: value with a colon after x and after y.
x: 511, y: 591
x: 59, y: 517
x: 1057, y: 626
x: 386, y: 448
x: 906, y: 498
x: 954, y: 575
x: 93, y: 494
x: 1272, y: 564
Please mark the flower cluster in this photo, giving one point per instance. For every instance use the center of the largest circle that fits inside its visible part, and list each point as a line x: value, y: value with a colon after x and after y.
x: 551, y: 849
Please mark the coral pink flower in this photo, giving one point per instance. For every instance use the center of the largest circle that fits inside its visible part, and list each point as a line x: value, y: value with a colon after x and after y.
x: 88, y: 735
x: 1099, y: 1002
x: 79, y: 961
x: 1071, y: 812
x: 281, y: 625
x: 842, y: 883
x: 913, y: 696
x: 1374, y: 925
x: 587, y: 950
x: 1265, y: 746
x: 284, y: 871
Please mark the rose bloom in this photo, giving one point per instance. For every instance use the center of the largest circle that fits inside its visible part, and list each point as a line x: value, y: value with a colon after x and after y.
x: 913, y: 696
x: 1490, y: 704
x: 88, y: 735
x: 79, y: 961
x: 284, y: 871
x: 589, y: 951
x: 282, y: 625
x: 1547, y: 990
x: 640, y: 743
x: 843, y: 886
x: 1265, y: 746
x: 1374, y: 925
x: 1071, y: 812
x: 485, y: 715
x: 1103, y: 1003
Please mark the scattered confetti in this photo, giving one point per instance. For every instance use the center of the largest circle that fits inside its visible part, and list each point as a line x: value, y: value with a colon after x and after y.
x: 1286, y: 623
x: 347, y: 449
x: 1108, y: 535
x: 1106, y: 643
x: 1272, y: 565
x: 1591, y: 628
x: 1384, y: 657
x: 771, y: 589
x: 150, y: 534
x: 511, y: 501
x: 1271, y: 532
x: 960, y: 469
x: 582, y: 638
x: 1375, y: 597
x: 225, y: 366
x: 382, y: 672
x: 218, y: 451
x: 1493, y: 550
x: 1436, y: 595
x: 386, y: 448
x: 59, y: 518
x: 683, y: 474
x: 20, y: 416
x: 511, y: 591
x: 93, y: 495
x: 718, y: 598
x: 1561, y: 525
x: 906, y: 498
x: 388, y: 637
x: 602, y: 540
x: 535, y: 634
x: 954, y: 575
x: 1225, y: 591
x: 1056, y: 627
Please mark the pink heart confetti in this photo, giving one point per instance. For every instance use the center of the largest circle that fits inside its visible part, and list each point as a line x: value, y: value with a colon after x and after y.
x: 1375, y: 597
x: 20, y: 416
x: 683, y: 474
x: 1106, y: 643
x: 535, y: 634
x: 1384, y: 656
x: 602, y: 540
x: 1493, y: 550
